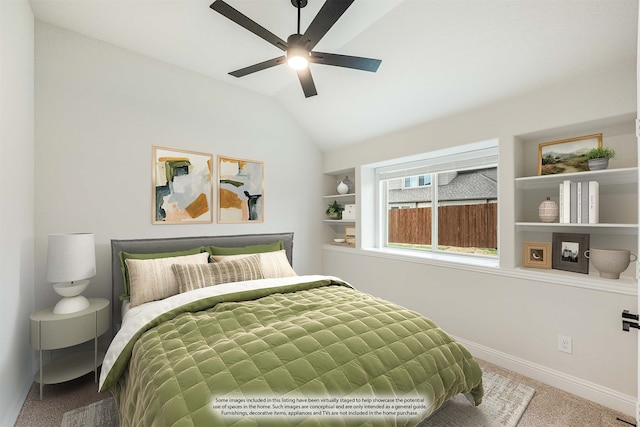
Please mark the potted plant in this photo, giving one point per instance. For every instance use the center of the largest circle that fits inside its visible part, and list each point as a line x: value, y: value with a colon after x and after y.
x: 334, y: 210
x: 598, y: 158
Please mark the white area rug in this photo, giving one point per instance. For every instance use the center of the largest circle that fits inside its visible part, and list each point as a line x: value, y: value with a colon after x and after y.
x: 98, y: 414
x: 503, y: 404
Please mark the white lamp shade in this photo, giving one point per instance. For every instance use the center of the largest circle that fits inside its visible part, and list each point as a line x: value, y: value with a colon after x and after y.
x: 71, y: 257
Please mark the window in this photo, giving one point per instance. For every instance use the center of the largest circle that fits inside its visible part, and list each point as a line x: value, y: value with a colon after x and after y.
x: 442, y: 202
x: 417, y: 181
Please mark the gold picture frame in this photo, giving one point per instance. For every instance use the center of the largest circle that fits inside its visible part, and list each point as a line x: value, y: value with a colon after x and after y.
x: 536, y: 255
x: 566, y: 155
x: 350, y: 235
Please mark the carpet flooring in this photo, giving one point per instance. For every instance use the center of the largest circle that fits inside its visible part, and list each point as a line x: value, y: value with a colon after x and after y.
x: 549, y: 407
x: 504, y: 403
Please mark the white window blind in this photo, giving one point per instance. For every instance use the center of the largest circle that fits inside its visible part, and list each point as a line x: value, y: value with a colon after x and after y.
x: 471, y: 159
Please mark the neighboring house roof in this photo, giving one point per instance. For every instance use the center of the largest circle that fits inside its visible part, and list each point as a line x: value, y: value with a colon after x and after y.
x: 471, y: 185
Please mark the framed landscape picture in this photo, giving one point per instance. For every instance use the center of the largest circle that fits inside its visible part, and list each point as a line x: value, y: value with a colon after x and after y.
x: 566, y: 155
x: 240, y: 190
x: 568, y: 252
x: 182, y: 186
x: 536, y: 255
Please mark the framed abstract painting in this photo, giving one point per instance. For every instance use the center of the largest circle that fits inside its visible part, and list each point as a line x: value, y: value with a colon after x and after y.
x: 182, y: 186
x: 240, y: 190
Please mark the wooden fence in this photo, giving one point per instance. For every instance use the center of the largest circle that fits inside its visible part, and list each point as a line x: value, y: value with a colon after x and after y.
x: 463, y: 226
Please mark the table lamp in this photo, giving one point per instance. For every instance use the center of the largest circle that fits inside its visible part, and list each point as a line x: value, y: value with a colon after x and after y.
x: 71, y: 259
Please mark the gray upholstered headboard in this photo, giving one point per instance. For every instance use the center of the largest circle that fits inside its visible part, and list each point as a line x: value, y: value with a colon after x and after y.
x: 169, y: 244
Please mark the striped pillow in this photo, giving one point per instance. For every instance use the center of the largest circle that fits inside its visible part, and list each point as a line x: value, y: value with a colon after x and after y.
x: 196, y: 276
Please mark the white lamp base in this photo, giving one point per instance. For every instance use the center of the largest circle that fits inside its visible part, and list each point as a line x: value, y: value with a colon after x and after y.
x: 72, y: 301
x: 71, y: 305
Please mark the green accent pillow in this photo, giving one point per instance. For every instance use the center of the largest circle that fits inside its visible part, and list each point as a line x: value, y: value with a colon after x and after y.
x: 251, y: 249
x: 126, y: 255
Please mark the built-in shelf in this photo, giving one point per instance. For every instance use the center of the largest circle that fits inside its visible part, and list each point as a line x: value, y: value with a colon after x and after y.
x: 593, y: 228
x: 337, y: 228
x: 341, y: 196
x: 604, y: 177
x: 340, y: 221
x: 618, y: 209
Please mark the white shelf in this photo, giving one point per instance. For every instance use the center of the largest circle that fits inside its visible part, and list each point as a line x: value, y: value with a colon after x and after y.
x: 340, y: 221
x: 604, y: 177
x: 595, y: 228
x: 340, y: 196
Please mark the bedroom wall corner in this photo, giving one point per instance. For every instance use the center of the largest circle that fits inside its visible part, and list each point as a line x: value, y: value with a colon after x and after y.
x: 100, y: 109
x: 17, y: 213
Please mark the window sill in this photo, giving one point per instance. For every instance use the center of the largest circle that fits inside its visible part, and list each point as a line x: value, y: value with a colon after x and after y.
x: 441, y: 259
x: 433, y: 258
x: 623, y: 286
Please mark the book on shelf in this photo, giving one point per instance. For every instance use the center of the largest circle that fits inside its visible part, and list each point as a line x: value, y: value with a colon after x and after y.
x: 579, y: 202
x: 564, y: 204
x: 594, y: 202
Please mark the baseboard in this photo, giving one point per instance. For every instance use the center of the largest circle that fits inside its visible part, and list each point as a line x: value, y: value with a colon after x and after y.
x: 591, y: 391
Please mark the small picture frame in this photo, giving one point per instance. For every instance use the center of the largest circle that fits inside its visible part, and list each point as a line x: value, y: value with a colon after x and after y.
x: 536, y: 255
x: 568, y: 252
x: 566, y: 155
x: 350, y: 235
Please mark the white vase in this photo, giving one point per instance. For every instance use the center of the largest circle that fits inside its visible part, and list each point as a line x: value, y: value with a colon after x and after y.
x: 342, y: 188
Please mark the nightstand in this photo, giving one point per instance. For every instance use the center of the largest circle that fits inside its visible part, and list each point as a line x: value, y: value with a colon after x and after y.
x: 50, y: 331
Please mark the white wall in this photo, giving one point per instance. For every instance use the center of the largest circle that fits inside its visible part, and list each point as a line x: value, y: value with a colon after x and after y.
x: 17, y: 207
x: 99, y: 110
x: 511, y: 319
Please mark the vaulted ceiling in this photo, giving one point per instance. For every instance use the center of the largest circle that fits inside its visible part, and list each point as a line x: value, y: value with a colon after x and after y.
x: 439, y: 57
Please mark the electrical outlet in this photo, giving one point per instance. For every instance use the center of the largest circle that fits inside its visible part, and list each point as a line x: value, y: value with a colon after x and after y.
x: 564, y: 344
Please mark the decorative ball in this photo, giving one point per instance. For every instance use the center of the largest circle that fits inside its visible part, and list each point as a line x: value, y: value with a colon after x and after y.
x: 548, y: 211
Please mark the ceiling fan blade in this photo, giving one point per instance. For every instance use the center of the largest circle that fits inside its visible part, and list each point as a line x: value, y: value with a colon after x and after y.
x: 229, y: 12
x: 330, y: 12
x: 259, y: 67
x: 355, y: 62
x: 308, y: 87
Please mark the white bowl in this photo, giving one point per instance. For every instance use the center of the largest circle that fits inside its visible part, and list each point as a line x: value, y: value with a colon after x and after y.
x: 338, y: 240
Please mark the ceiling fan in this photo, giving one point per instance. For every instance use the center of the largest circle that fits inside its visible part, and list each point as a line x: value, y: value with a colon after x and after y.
x: 298, y: 47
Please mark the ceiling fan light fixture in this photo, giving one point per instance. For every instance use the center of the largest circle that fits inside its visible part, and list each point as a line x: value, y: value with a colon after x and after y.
x: 297, y: 58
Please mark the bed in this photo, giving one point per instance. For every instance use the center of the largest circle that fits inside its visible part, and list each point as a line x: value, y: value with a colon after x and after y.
x: 221, y: 331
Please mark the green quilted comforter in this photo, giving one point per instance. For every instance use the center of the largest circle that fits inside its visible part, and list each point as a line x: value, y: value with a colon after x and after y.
x: 299, y: 351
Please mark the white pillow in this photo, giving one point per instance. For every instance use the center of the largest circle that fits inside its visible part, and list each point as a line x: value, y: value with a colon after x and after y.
x: 274, y: 264
x: 154, y: 279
